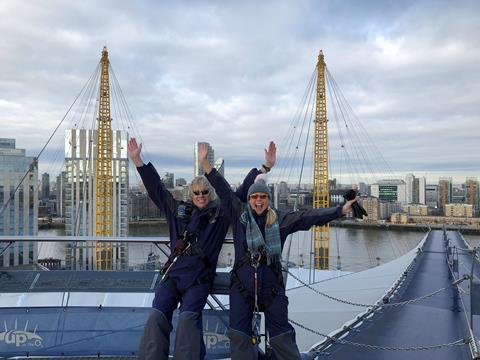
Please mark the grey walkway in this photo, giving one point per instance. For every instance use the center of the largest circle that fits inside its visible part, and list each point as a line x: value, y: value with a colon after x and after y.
x: 429, y: 322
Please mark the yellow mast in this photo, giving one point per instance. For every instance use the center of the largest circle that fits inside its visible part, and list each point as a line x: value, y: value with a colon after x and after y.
x: 103, y: 171
x: 321, y: 193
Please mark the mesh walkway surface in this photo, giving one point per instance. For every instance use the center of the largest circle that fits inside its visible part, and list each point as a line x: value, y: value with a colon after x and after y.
x: 433, y: 321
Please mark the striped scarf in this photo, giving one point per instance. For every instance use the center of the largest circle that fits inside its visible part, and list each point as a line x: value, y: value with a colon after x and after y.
x: 255, y: 241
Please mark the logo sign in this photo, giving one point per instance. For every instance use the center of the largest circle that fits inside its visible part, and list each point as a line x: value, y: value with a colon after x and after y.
x: 20, y: 338
x: 216, y: 341
x: 215, y: 332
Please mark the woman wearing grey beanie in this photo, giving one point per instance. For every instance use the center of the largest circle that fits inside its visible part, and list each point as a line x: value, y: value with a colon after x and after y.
x: 259, y: 233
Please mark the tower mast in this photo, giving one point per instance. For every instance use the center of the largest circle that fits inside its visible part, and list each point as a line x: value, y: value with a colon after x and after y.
x: 321, y: 191
x: 103, y: 171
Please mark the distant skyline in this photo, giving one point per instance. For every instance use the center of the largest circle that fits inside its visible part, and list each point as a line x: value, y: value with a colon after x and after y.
x: 233, y: 73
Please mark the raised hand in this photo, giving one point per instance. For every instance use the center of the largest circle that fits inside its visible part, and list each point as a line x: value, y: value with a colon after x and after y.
x: 271, y: 155
x: 203, y: 157
x: 134, y: 151
x: 347, y: 207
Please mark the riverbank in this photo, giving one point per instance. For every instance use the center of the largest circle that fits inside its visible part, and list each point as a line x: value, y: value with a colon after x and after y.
x: 404, y: 227
x: 58, y: 224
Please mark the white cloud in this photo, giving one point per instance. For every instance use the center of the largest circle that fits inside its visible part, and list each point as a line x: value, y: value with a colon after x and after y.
x: 233, y: 73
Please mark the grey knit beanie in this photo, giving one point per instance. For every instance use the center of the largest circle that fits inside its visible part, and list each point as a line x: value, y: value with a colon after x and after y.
x: 259, y: 186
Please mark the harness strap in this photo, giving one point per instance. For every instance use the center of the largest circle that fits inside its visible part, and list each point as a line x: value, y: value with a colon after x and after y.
x: 249, y: 295
x: 196, y: 250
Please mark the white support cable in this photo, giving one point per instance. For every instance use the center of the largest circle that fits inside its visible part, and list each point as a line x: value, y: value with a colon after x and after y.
x: 459, y: 342
x: 376, y: 306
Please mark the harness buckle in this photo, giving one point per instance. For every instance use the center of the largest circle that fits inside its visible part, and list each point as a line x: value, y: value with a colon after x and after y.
x: 255, y: 259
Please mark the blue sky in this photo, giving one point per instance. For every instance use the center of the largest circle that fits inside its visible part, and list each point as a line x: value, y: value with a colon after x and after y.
x: 233, y: 72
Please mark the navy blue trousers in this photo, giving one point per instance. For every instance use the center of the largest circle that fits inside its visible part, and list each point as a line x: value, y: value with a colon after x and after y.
x: 192, y: 300
x: 276, y: 314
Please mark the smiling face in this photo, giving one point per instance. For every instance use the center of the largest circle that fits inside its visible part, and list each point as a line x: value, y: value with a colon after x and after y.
x: 200, y: 196
x: 259, y: 202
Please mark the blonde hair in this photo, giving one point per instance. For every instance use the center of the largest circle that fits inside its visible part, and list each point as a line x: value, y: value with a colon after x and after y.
x: 271, y: 217
x: 202, y: 182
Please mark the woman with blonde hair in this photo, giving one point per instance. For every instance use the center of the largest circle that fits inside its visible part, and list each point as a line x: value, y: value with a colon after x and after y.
x: 197, y: 230
x: 259, y: 233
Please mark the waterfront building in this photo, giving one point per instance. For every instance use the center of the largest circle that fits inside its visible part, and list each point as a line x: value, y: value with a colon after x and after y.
x: 459, y: 210
x: 471, y: 194
x: 336, y: 197
x: 416, y: 210
x: 444, y: 192
x: 197, y: 168
x: 399, y: 218
x: 80, y: 196
x: 141, y: 206
x: 390, y: 191
x: 20, y: 216
x: 386, y: 209
x: 371, y: 206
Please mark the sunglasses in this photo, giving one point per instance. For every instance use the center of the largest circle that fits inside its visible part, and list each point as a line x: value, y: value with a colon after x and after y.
x: 258, y: 196
x: 203, y: 192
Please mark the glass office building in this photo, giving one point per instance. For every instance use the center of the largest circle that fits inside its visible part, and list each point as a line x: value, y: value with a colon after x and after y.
x: 18, y: 202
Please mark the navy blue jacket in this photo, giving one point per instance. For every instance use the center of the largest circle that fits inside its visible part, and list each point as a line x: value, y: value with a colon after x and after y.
x: 289, y: 222
x: 212, y: 220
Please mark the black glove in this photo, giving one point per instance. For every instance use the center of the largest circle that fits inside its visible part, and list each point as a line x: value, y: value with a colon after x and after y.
x: 358, y: 211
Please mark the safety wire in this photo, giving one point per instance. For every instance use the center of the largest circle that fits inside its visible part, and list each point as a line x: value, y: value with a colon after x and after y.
x: 363, y: 159
x: 357, y: 151
x: 78, y: 98
x: 126, y: 117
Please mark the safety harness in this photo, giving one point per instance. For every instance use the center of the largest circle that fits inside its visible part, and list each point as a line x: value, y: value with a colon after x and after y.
x: 251, y: 297
x: 187, y: 244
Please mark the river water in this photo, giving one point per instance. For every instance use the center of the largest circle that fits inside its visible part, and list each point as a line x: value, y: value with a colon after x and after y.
x: 351, y: 249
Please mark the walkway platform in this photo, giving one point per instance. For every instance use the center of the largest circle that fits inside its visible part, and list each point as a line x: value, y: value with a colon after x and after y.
x: 432, y: 321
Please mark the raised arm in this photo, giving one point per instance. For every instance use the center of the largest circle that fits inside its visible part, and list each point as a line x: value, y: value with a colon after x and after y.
x: 229, y: 201
x: 305, y: 219
x: 270, y: 159
x: 150, y: 178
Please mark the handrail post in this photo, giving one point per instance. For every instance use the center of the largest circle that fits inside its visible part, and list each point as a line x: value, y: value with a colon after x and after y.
x: 474, y: 252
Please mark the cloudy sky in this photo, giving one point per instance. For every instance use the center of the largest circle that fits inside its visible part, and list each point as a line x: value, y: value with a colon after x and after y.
x: 233, y: 73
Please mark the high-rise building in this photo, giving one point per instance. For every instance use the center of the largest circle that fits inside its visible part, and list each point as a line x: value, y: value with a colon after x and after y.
x: 431, y: 195
x: 18, y: 207
x: 180, y: 182
x: 422, y: 188
x: 415, y: 189
x: 390, y: 191
x: 410, y: 188
x: 198, y: 169
x: 471, y: 193
x: 168, y: 180
x: 363, y: 189
x: 45, y: 193
x: 220, y: 166
x: 445, y: 192
x: 80, y: 197
x: 60, y: 190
